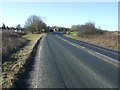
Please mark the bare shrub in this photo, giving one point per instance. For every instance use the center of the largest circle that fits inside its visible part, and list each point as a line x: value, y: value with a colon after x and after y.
x: 86, y: 29
x: 11, y: 41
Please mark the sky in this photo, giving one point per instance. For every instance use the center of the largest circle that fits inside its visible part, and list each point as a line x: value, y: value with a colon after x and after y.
x: 65, y: 14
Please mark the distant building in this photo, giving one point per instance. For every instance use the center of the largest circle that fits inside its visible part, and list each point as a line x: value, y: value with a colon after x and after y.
x: 61, y: 29
x: 58, y: 29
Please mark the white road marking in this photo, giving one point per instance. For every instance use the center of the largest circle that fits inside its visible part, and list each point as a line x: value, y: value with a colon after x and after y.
x: 116, y: 53
x: 39, y: 54
x: 99, y: 55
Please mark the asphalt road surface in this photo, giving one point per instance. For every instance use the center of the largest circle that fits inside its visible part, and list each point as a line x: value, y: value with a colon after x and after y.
x: 62, y: 62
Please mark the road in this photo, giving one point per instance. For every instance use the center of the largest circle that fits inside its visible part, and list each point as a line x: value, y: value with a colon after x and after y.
x: 62, y: 62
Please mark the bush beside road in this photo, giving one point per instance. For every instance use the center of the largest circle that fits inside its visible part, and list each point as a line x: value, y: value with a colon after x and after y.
x: 11, y: 42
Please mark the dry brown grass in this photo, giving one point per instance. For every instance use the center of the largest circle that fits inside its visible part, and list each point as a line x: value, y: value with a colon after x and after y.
x: 11, y: 41
x: 106, y: 40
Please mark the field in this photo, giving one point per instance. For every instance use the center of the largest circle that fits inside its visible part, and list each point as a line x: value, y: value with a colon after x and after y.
x: 17, y: 60
x: 109, y: 40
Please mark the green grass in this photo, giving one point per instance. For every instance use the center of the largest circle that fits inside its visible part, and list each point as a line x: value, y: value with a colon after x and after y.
x: 12, y: 67
x: 73, y: 32
x: 31, y: 36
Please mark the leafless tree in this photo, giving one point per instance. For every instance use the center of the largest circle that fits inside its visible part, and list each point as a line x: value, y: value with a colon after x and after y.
x: 34, y: 24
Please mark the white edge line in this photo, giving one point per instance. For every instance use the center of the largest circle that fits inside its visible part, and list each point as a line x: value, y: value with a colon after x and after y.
x: 101, y: 56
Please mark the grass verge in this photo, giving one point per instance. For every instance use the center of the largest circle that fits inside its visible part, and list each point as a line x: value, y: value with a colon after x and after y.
x: 105, y: 40
x: 12, y: 67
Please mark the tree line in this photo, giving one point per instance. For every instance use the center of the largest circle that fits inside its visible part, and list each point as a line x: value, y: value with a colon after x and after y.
x: 35, y: 24
x: 17, y: 27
